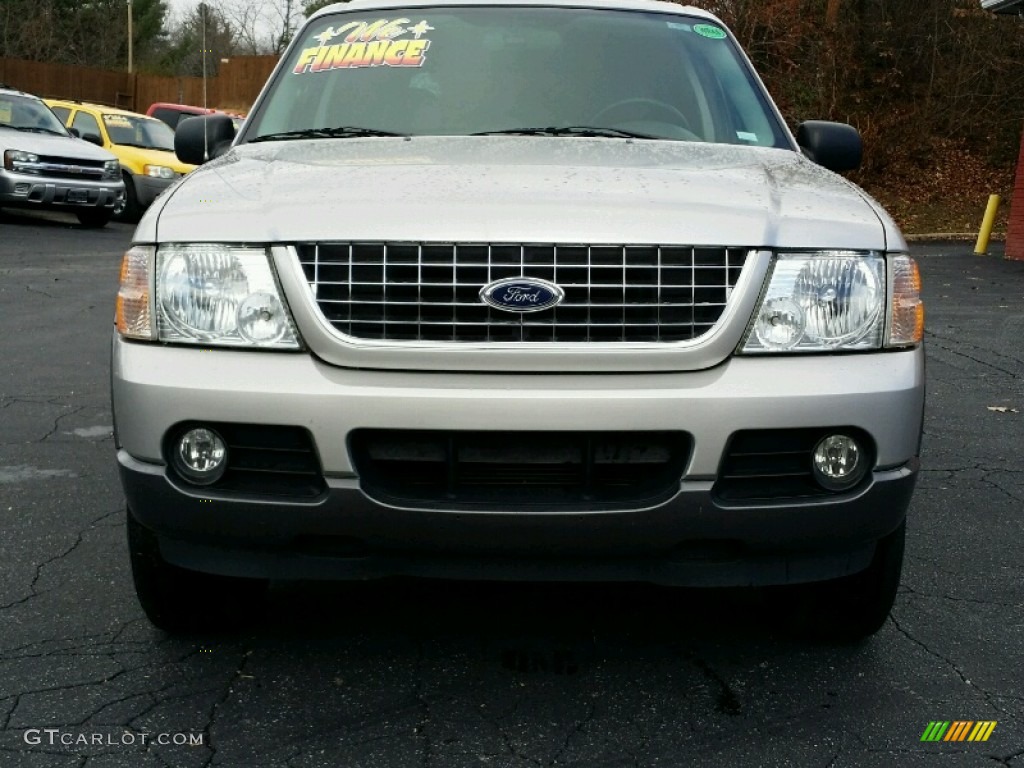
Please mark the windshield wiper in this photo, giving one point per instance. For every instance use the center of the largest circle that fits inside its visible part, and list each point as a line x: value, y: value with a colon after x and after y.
x: 571, y: 130
x: 341, y: 132
x: 35, y: 129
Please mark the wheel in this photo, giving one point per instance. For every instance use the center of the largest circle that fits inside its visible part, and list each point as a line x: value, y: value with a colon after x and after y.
x: 94, y: 218
x: 128, y: 208
x: 628, y: 104
x: 852, y: 608
x: 179, y: 600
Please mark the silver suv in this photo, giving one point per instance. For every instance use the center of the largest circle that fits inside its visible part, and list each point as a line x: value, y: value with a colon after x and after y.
x: 531, y: 289
x: 44, y: 166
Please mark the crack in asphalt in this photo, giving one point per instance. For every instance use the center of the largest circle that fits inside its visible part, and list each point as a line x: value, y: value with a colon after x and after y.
x: 39, y: 571
x: 57, y: 421
x: 642, y: 743
x: 4, y: 656
x: 207, y: 729
x: 153, y: 694
x: 961, y: 342
x: 424, y: 720
x: 42, y: 398
x: 79, y: 652
x: 977, y: 600
x: 510, y: 747
x: 85, y: 639
x: 949, y: 662
x: 79, y: 538
x: 578, y: 728
x: 30, y: 289
x: 52, y: 400
x: 10, y: 712
x: 1005, y: 760
x: 159, y: 701
x: 985, y: 479
x: 66, y: 687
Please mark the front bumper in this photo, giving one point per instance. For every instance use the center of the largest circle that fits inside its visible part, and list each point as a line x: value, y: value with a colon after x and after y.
x: 689, y: 541
x: 148, y: 188
x: 692, y: 538
x: 25, y: 190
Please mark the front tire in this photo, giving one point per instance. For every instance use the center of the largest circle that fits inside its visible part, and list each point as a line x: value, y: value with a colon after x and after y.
x: 128, y: 209
x: 178, y: 600
x: 851, y: 609
x: 94, y: 218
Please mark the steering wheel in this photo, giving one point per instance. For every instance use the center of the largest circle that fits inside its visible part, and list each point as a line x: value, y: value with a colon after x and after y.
x: 653, y: 104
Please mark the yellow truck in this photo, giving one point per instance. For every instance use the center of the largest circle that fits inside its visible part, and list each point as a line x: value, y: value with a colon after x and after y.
x: 144, y: 146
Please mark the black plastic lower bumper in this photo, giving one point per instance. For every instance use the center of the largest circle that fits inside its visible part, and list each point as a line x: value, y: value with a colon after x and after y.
x: 689, y: 540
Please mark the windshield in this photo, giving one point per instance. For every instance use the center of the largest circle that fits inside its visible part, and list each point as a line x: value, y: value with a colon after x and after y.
x: 24, y: 113
x: 144, y: 132
x: 470, y: 70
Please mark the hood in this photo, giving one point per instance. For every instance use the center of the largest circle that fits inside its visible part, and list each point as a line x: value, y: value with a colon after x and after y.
x: 518, y: 189
x: 52, y: 145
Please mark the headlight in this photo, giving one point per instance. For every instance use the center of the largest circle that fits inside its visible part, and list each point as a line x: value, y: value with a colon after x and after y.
x: 205, y: 294
x: 821, y: 302
x: 15, y: 160
x: 159, y: 171
x: 111, y: 170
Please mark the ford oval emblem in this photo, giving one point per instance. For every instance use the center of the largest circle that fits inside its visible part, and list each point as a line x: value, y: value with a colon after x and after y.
x: 522, y: 294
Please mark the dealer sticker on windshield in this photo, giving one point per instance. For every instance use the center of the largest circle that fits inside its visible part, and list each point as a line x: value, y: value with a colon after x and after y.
x: 381, y: 43
x: 709, y: 30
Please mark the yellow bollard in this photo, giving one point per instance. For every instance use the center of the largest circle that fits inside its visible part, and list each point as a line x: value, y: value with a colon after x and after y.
x: 986, y: 225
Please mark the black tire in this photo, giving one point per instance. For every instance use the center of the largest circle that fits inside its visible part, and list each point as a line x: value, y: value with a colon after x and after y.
x: 851, y: 609
x: 128, y: 210
x: 178, y: 600
x: 94, y: 218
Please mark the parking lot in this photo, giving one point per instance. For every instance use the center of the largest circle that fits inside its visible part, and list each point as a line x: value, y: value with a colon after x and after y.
x: 452, y: 675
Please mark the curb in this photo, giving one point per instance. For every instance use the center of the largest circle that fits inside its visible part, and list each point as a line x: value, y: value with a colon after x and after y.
x: 967, y: 236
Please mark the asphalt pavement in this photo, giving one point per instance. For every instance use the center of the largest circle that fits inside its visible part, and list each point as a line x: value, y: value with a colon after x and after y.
x: 454, y: 675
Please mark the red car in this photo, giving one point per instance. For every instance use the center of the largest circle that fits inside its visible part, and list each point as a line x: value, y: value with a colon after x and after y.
x: 172, y: 114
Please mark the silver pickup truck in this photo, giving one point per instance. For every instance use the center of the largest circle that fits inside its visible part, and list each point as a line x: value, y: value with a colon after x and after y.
x: 537, y: 289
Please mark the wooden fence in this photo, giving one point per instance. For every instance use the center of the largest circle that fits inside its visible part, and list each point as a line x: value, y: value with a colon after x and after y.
x: 235, y: 87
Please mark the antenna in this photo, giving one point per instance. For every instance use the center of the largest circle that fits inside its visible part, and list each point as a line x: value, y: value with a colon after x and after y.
x: 206, y: 137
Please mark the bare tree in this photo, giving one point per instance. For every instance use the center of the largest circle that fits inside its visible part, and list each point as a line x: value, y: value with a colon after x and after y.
x: 263, y: 26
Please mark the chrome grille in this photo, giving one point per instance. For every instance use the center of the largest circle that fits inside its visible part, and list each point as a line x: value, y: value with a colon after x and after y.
x: 430, y: 291
x: 70, y: 168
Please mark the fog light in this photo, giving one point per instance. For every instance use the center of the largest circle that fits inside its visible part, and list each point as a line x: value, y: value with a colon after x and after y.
x: 839, y: 462
x: 201, y: 456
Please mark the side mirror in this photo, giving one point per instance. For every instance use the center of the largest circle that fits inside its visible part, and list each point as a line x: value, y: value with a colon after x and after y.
x: 836, y: 146
x: 75, y: 132
x: 203, y: 138
x: 93, y: 138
